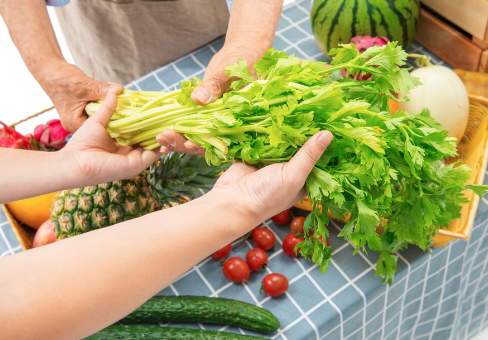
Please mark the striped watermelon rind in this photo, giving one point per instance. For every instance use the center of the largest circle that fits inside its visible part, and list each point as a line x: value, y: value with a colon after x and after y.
x: 337, y: 21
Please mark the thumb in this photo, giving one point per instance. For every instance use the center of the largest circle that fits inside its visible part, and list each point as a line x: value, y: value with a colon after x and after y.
x: 99, y: 90
x: 105, y: 112
x: 211, y: 88
x: 300, y: 166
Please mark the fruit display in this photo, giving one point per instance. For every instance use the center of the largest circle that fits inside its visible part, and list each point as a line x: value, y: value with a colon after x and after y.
x: 202, y: 309
x: 173, y: 179
x: 32, y: 211
x: 165, y: 333
x: 335, y: 22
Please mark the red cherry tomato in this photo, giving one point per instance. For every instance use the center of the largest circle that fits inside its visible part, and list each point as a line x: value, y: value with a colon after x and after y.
x: 297, y: 226
x: 222, y: 253
x: 282, y: 218
x: 263, y: 238
x: 257, y: 259
x: 275, y: 284
x: 289, y: 244
x: 254, y: 229
x: 236, y: 270
x: 326, y: 241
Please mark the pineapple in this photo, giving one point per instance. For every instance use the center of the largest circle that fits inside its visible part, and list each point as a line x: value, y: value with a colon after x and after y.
x: 171, y: 180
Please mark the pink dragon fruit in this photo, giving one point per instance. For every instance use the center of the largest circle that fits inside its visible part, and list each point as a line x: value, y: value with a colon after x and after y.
x: 9, y: 138
x: 362, y: 44
x: 51, y: 134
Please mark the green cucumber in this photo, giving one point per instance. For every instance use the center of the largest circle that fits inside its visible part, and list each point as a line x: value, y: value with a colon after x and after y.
x: 205, y: 310
x: 164, y: 333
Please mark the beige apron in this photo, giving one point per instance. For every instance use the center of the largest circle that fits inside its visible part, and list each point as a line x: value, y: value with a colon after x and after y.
x: 122, y: 40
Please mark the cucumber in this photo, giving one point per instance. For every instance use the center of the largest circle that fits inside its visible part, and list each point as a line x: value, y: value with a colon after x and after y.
x: 164, y: 333
x: 205, y: 310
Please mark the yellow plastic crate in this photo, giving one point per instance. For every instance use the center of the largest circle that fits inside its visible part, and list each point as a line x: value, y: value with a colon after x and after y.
x: 473, y: 151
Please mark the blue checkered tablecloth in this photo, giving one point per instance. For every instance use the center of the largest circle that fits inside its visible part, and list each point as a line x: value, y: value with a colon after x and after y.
x: 434, y: 297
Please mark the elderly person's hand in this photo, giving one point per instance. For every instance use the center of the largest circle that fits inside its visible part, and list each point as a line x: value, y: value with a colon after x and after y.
x: 251, y: 32
x: 70, y: 90
x: 95, y: 155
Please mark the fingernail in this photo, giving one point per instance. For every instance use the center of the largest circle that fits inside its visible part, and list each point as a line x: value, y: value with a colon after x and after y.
x: 202, y: 95
x: 169, y: 140
x: 325, y: 138
x: 113, y: 88
x: 190, y: 147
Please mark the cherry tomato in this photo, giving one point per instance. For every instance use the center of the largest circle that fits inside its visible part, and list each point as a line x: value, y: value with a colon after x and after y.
x: 326, y: 241
x: 282, y: 218
x: 257, y: 259
x: 222, y: 253
x: 297, y: 226
x: 236, y: 270
x: 275, y: 284
x: 254, y: 229
x: 263, y: 238
x: 289, y: 244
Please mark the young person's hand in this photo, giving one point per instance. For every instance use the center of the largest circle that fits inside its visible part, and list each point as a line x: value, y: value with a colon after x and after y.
x: 95, y: 155
x: 260, y: 194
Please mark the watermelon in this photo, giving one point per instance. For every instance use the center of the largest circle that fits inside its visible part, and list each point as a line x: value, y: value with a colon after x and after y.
x: 337, y: 21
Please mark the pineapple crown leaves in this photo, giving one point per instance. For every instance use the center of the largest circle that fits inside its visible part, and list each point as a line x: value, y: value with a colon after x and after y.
x: 177, y: 177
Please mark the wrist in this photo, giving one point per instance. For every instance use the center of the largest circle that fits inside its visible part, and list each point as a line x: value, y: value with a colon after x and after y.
x: 71, y: 175
x: 236, y: 215
x: 51, y: 74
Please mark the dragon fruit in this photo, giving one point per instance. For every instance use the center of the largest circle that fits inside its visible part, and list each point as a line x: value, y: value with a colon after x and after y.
x: 51, y: 134
x: 9, y: 138
x: 362, y: 44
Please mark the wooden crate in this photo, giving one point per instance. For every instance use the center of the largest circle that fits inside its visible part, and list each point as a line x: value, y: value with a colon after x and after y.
x: 457, y: 32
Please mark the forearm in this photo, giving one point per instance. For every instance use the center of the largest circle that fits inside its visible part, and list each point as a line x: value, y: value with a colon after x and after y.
x: 31, y: 173
x: 255, y: 22
x: 31, y: 30
x: 89, y: 281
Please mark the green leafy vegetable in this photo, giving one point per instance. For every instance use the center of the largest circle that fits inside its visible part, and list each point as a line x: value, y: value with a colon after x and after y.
x: 379, y: 166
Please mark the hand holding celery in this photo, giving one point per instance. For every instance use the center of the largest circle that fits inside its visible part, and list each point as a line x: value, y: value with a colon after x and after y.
x: 378, y: 166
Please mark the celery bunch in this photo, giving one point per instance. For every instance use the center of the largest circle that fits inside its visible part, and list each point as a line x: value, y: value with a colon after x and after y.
x: 378, y: 166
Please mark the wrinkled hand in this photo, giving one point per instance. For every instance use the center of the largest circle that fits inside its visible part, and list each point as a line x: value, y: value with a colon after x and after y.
x: 97, y: 157
x: 214, y: 84
x: 276, y: 187
x: 70, y: 90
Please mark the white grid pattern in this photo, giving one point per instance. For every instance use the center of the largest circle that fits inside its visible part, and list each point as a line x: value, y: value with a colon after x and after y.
x: 414, y: 265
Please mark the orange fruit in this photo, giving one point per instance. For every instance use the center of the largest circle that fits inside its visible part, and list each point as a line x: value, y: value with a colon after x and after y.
x: 33, y: 211
x: 393, y: 105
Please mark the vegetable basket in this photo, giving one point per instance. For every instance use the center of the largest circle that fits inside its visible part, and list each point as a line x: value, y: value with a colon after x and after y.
x: 472, y: 151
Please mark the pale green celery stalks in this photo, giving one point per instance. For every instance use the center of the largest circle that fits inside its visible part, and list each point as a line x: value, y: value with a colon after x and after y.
x: 154, y: 103
x: 159, y: 111
x: 161, y: 118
